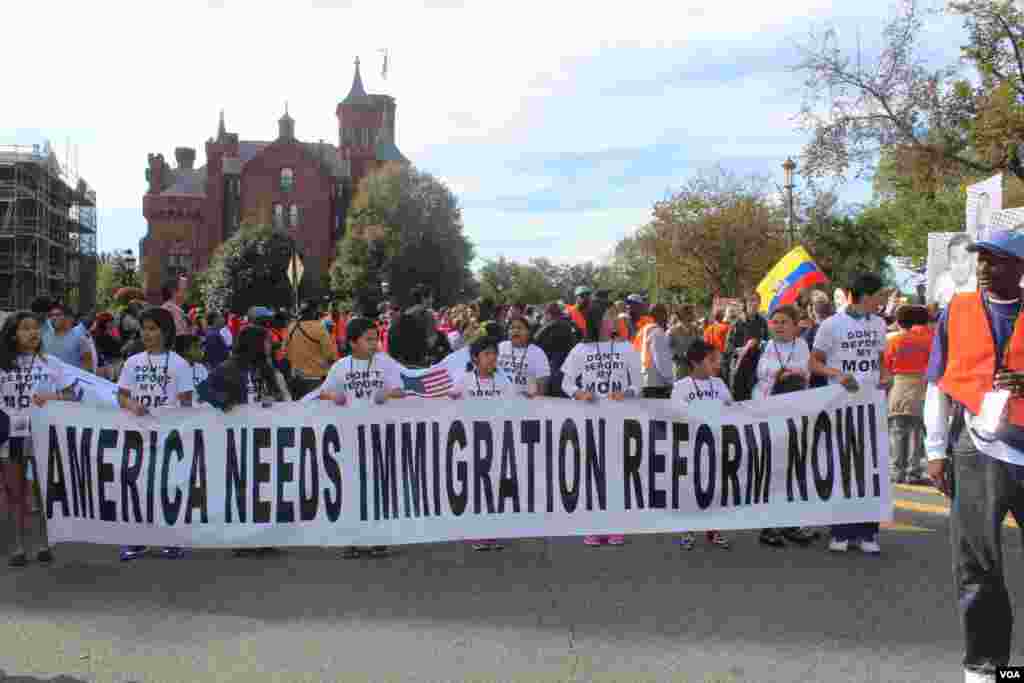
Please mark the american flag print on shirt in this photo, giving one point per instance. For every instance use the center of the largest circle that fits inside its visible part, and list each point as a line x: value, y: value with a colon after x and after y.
x: 433, y: 382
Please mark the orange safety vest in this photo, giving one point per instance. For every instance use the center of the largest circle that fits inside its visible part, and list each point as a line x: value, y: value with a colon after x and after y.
x: 646, y: 359
x: 907, y: 353
x: 641, y: 325
x: 577, y: 318
x: 971, y: 356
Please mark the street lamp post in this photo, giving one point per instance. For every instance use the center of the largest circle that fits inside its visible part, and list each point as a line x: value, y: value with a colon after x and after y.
x: 789, y: 167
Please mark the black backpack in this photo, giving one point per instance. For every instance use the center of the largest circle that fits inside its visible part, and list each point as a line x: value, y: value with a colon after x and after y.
x: 745, y: 376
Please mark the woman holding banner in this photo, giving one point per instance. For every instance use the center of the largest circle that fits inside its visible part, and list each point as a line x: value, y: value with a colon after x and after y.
x: 599, y: 368
x: 29, y: 378
x: 524, y: 363
x: 248, y: 376
x: 157, y: 377
x: 781, y: 369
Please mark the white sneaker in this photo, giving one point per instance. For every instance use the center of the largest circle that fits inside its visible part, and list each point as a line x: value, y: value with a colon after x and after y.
x: 978, y: 677
x: 870, y: 547
x: 837, y: 546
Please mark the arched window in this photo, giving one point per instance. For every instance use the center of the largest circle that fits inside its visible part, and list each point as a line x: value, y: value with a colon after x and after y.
x: 293, y: 216
x: 287, y: 179
x: 179, y: 259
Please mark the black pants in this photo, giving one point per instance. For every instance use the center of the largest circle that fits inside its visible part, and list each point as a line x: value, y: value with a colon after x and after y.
x: 985, y: 490
x: 656, y: 392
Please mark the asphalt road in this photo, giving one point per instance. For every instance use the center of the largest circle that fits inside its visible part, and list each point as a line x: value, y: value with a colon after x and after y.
x: 542, y: 610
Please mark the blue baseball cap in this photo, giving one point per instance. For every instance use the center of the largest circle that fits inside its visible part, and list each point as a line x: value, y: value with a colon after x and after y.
x: 1006, y: 242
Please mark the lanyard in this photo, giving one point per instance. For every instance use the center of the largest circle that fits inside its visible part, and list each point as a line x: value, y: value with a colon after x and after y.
x: 784, y: 365
x: 369, y: 364
x: 711, y: 387
x: 494, y: 381
x: 518, y: 366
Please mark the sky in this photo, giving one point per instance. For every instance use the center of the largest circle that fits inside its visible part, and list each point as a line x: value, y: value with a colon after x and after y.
x: 557, y: 124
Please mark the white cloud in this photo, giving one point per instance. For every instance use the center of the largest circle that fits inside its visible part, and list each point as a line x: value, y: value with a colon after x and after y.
x: 502, y: 83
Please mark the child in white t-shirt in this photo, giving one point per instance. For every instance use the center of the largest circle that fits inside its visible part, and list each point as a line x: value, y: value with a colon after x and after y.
x: 485, y: 382
x: 703, y: 385
x: 599, y: 368
x: 156, y: 378
x: 365, y: 377
x: 28, y: 377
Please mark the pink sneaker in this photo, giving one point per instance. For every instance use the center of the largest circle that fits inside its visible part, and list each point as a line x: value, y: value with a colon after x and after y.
x: 593, y: 540
x: 618, y: 539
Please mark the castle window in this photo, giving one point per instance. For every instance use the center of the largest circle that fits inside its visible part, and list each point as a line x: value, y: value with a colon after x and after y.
x: 293, y: 216
x: 278, y: 216
x: 179, y: 260
x: 287, y: 179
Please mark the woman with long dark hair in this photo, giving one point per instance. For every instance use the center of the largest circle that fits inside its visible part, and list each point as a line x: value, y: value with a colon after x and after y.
x: 28, y: 377
x: 248, y: 376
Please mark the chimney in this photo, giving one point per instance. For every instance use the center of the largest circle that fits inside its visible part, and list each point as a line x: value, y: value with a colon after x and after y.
x: 186, y: 157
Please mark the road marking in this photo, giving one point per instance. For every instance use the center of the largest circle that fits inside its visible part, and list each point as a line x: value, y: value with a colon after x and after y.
x: 913, y: 488
x: 930, y: 509
x: 897, y: 526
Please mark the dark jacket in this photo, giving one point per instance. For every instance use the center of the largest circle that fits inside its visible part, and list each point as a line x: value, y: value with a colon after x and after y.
x: 556, y: 339
x: 215, y: 348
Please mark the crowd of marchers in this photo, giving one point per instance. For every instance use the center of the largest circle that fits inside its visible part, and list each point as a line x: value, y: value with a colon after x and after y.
x: 594, y: 348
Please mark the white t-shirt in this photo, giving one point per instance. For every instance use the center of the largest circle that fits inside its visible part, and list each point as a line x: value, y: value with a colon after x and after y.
x: 852, y: 346
x: 155, y: 380
x: 32, y: 374
x: 471, y: 386
x: 523, y: 364
x: 360, y: 380
x: 793, y: 356
x: 691, y: 390
x: 602, y: 368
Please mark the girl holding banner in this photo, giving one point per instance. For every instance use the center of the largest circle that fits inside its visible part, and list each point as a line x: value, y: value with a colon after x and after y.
x: 598, y: 368
x: 703, y: 385
x: 484, y: 382
x: 29, y: 378
x: 155, y: 378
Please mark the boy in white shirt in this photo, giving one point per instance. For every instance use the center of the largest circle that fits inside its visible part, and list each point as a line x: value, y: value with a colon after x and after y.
x: 367, y: 376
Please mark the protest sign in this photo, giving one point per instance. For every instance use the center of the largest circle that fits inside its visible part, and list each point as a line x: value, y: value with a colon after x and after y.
x: 420, y: 470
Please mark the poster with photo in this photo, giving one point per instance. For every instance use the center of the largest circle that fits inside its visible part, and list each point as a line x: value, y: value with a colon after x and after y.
x: 951, y: 268
x: 983, y: 199
x: 1007, y: 219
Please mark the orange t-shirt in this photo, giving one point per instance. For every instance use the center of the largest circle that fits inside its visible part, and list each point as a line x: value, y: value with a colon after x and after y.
x: 907, y: 353
x: 716, y: 335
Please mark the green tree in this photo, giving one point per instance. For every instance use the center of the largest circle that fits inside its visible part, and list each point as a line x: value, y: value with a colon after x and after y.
x: 717, y: 235
x: 106, y: 285
x: 249, y: 269
x: 844, y: 245
x: 404, y: 228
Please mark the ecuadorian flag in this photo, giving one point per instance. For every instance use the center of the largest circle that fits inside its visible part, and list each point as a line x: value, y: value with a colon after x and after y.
x: 795, y: 272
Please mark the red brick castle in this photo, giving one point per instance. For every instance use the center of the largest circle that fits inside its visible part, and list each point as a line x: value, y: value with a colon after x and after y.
x: 302, y: 187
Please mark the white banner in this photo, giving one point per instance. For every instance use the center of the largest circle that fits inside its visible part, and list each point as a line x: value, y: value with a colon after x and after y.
x: 419, y: 470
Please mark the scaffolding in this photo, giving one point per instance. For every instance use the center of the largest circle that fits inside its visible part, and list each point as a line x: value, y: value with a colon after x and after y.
x: 47, y: 231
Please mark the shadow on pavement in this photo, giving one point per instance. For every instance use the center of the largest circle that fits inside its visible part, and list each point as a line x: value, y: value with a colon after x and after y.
x: 7, y: 678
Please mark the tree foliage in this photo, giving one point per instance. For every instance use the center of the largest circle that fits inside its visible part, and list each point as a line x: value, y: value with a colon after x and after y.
x: 932, y: 122
x: 717, y: 235
x: 404, y: 228
x: 249, y: 269
x: 841, y: 244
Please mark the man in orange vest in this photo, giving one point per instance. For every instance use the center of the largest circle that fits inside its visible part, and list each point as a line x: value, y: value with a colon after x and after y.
x: 976, y: 377
x: 631, y: 323
x: 578, y: 313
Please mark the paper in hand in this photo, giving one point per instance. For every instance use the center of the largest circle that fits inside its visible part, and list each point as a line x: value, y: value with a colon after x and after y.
x: 993, y: 408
